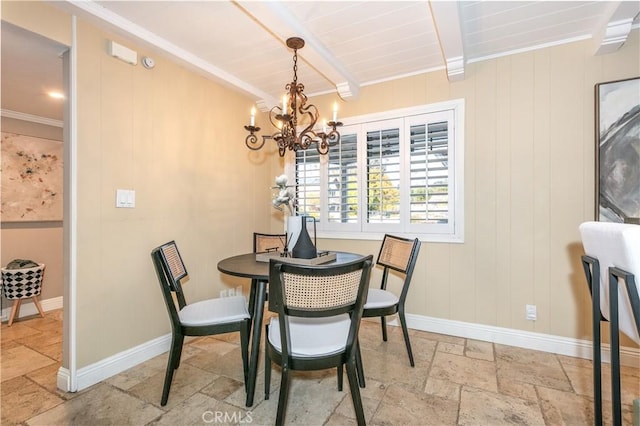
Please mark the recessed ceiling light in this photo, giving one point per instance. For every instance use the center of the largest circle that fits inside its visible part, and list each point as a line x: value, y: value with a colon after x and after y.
x: 56, y: 95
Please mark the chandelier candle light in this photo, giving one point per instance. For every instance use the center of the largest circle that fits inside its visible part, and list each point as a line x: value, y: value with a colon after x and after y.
x: 294, y: 114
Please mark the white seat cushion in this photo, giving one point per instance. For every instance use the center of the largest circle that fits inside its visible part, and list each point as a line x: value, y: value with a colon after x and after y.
x: 214, y: 311
x: 313, y: 336
x: 378, y: 298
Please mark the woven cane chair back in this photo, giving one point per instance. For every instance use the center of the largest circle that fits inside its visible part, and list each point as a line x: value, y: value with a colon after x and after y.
x: 269, y: 242
x: 173, y: 259
x: 171, y: 264
x: 396, y: 253
x: 314, y: 292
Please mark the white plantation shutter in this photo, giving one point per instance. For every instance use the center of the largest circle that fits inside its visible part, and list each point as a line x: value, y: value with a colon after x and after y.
x: 383, y: 172
x: 431, y: 201
x: 308, y: 184
x: 398, y: 174
x: 342, y: 181
x: 383, y: 176
x: 429, y: 173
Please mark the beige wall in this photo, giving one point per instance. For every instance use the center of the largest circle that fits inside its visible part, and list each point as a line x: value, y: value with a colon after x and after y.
x: 30, y: 128
x: 529, y: 183
x: 177, y: 139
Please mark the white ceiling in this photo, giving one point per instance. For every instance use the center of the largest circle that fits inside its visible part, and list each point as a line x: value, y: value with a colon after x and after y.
x: 31, y: 68
x: 349, y: 44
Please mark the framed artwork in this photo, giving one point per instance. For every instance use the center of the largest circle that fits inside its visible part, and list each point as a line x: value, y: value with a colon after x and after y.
x: 32, y: 173
x: 618, y: 151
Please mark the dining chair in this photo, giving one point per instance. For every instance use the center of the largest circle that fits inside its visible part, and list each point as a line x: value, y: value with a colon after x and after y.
x: 204, y: 318
x: 269, y: 242
x: 400, y: 255
x: 612, y: 263
x: 265, y: 243
x: 319, y: 309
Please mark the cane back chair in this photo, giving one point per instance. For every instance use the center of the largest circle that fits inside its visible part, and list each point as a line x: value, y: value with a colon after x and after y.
x: 319, y: 310
x: 400, y: 255
x: 204, y: 318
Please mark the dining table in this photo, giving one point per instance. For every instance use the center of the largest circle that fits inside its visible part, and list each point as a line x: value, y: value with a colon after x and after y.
x: 248, y: 266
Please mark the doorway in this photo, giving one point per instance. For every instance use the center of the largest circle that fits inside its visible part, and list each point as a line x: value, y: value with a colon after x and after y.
x: 33, y: 67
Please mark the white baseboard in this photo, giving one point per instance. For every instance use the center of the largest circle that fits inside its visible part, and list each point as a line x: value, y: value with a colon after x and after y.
x: 523, y: 339
x: 29, y: 308
x: 63, y: 380
x: 108, y: 367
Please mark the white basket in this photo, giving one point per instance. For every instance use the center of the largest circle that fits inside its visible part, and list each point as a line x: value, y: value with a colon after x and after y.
x: 22, y: 283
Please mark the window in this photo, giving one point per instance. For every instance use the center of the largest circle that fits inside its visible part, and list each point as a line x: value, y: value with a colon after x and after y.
x: 397, y: 172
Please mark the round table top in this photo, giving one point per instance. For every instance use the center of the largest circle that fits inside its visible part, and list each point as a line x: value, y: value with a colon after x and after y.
x: 246, y: 265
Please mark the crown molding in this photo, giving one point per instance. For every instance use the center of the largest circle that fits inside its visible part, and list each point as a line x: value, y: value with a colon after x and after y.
x: 104, y: 15
x: 31, y: 118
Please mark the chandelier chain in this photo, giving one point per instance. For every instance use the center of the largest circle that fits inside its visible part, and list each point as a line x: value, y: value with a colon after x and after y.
x: 295, y: 66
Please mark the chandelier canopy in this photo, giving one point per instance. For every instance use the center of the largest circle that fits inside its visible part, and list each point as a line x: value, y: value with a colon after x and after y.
x: 295, y: 121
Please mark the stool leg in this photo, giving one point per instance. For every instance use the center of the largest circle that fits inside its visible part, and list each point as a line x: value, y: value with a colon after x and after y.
x: 14, y: 310
x: 37, y: 303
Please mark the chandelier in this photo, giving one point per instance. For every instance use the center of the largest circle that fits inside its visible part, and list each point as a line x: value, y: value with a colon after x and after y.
x: 295, y: 121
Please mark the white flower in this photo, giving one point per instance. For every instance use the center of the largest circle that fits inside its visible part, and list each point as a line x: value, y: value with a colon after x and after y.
x: 285, y: 195
x: 282, y: 180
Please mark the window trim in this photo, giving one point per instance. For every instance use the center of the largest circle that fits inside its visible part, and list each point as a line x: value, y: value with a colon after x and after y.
x: 456, y: 149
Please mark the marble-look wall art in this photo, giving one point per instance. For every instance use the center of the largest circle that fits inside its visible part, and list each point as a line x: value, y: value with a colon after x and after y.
x: 618, y: 151
x: 32, y: 174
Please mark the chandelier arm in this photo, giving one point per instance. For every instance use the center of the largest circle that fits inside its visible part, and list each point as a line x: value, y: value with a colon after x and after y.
x: 323, y: 144
x: 274, y: 113
x: 252, y: 140
x: 322, y: 147
x: 306, y: 140
x: 333, y: 138
x: 309, y: 129
x: 281, y: 143
x: 311, y: 112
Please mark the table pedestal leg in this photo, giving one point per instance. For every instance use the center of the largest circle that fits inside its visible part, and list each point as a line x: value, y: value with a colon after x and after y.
x: 256, y: 333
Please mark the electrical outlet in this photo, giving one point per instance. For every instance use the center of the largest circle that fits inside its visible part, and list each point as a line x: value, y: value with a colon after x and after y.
x: 532, y: 312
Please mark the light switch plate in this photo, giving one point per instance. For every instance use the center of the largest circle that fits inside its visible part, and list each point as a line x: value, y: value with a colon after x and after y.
x: 532, y: 312
x: 125, y: 198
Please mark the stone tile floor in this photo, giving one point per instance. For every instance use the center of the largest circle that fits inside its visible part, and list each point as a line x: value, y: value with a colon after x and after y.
x: 456, y: 381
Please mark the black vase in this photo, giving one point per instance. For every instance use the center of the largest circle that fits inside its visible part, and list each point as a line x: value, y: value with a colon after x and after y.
x: 304, y: 248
